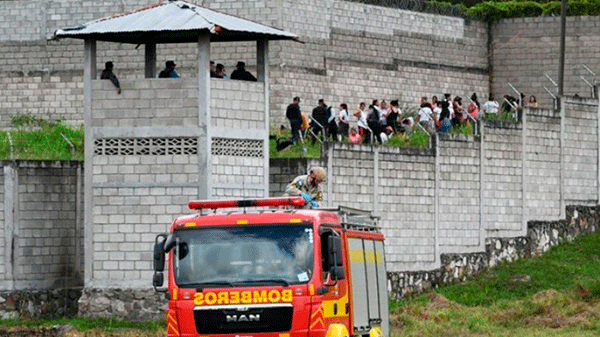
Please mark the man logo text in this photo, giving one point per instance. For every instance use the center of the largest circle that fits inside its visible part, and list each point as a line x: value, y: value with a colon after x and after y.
x: 242, y: 318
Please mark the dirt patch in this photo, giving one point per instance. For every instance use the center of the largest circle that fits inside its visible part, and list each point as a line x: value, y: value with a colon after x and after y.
x: 546, y: 297
x: 439, y: 302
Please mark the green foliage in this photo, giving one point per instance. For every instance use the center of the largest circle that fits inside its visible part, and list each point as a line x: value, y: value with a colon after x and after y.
x: 306, y: 149
x: 415, y: 139
x: 462, y: 129
x: 502, y: 116
x: 33, y: 138
x: 498, y: 10
x: 561, y: 268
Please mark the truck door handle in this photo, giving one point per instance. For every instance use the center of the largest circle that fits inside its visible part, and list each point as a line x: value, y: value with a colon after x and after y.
x: 335, y: 308
x: 347, y: 308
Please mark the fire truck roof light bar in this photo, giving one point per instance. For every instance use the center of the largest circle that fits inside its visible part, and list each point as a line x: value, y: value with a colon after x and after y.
x: 297, y: 202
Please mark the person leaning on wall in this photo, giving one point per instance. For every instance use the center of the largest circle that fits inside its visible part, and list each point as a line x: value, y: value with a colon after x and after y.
x: 169, y: 71
x: 107, y: 74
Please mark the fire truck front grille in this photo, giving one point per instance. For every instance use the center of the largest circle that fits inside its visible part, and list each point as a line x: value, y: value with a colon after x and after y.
x: 235, y: 320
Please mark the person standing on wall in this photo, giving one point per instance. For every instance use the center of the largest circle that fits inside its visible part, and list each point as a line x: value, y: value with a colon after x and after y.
x: 320, y: 115
x: 294, y: 115
x: 107, y: 74
x: 169, y: 71
x: 344, y: 121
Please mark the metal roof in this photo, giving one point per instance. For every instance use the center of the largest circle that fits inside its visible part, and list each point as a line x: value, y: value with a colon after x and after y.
x: 171, y: 22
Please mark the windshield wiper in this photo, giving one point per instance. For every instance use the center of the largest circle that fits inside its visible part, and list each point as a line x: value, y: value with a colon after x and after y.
x: 270, y: 280
x: 200, y: 286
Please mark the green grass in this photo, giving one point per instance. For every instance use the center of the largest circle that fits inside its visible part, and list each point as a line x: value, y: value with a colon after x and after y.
x: 415, y: 139
x: 96, y: 327
x: 502, y: 116
x: 306, y: 149
x: 562, y: 299
x: 33, y: 138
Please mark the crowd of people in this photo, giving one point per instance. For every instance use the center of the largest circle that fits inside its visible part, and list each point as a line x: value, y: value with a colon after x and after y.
x: 216, y: 71
x: 380, y: 120
x: 240, y: 72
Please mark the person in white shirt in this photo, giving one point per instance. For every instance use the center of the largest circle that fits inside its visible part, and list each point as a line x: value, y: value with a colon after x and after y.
x: 383, y: 113
x: 491, y: 106
x: 343, y: 121
x: 361, y: 123
x: 425, y: 113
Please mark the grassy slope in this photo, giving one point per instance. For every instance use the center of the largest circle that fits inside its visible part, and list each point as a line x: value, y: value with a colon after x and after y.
x: 562, y: 299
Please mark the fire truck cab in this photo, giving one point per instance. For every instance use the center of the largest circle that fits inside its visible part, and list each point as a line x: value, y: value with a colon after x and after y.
x: 270, y: 268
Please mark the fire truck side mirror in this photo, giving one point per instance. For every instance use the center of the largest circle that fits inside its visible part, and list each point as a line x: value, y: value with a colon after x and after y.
x: 159, y: 253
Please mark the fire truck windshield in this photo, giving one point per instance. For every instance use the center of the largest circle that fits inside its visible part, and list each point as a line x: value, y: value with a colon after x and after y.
x: 243, y: 256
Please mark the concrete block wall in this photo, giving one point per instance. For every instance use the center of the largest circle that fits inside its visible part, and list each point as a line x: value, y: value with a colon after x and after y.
x: 459, y: 193
x: 46, y: 252
x: 146, y: 102
x: 406, y: 203
x: 543, y: 170
x: 580, y: 150
x: 503, y: 179
x: 415, y: 49
x: 467, y: 190
x: 41, y: 239
x: 384, y: 20
x: 125, y: 223
x: 306, y: 18
x: 446, y: 54
x: 238, y: 176
x: 231, y: 110
x: 370, y: 52
x: 522, y: 49
x: 145, y: 169
x: 152, y: 154
x: 352, y: 177
x: 283, y: 171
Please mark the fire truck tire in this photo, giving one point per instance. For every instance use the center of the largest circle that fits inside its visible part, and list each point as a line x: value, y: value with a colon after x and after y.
x: 337, y: 330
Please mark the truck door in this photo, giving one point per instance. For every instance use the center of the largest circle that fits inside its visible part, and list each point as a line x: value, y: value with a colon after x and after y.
x: 369, y: 286
x: 335, y: 307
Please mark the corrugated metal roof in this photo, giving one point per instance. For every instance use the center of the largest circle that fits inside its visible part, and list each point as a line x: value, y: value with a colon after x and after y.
x: 173, y: 21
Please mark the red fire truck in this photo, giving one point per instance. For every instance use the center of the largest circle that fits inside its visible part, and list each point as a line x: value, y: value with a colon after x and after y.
x: 270, y: 268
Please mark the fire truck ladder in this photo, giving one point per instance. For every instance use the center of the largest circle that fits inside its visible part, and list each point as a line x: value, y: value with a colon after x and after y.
x: 356, y: 219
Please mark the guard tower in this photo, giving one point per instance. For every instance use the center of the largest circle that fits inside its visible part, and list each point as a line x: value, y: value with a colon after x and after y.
x: 163, y: 142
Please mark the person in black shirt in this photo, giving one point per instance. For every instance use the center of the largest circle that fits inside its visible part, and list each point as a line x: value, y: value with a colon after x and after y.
x: 321, y: 116
x: 240, y: 73
x: 295, y: 117
x: 107, y: 74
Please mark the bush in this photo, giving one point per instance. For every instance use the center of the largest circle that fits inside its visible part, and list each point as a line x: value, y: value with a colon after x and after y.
x: 494, y: 11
